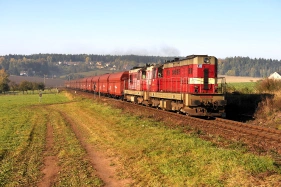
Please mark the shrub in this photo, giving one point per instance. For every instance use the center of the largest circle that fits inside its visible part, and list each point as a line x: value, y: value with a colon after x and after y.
x: 268, y: 85
x: 269, y: 108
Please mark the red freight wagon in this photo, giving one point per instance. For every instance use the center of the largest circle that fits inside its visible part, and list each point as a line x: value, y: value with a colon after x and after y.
x: 72, y: 84
x: 117, y: 82
x: 79, y: 84
x: 95, y: 83
x: 89, y: 83
x: 103, y: 83
x: 83, y: 84
x: 67, y: 84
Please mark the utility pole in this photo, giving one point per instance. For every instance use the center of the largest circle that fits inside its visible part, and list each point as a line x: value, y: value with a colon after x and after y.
x: 44, y: 79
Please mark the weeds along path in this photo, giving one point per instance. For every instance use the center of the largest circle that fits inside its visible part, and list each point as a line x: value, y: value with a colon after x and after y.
x: 90, y: 130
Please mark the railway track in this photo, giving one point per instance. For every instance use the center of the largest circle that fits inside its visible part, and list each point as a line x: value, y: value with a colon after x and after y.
x: 268, y: 136
x: 263, y: 132
x: 255, y: 137
x: 262, y: 138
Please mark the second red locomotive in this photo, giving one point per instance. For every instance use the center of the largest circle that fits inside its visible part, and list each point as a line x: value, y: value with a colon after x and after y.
x: 188, y: 85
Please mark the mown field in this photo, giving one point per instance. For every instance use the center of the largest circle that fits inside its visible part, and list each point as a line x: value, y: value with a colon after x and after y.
x: 143, y: 150
x: 238, y: 79
x: 49, y: 82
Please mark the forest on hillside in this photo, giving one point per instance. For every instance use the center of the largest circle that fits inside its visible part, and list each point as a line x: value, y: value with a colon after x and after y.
x: 56, y: 65
x: 245, y: 66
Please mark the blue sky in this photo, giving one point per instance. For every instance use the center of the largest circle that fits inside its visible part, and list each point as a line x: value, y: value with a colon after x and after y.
x: 221, y: 28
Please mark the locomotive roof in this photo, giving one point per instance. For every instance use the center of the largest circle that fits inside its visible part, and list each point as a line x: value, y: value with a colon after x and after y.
x: 136, y: 70
x: 147, y: 67
x: 193, y: 56
x: 192, y: 59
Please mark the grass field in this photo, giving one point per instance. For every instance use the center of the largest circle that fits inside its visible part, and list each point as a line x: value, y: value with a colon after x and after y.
x: 242, y: 87
x: 143, y: 149
x: 23, y: 121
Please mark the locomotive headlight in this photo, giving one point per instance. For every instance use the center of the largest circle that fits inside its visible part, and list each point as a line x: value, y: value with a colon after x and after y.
x: 206, y: 60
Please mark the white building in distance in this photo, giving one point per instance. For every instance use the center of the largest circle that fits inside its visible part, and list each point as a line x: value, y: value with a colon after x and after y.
x: 275, y: 75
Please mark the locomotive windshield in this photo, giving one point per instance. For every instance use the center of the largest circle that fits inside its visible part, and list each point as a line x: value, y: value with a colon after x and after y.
x: 160, y: 71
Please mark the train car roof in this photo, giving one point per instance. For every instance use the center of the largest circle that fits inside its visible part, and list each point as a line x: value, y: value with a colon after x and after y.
x: 96, y: 78
x: 118, y: 76
x: 89, y: 79
x: 104, y: 77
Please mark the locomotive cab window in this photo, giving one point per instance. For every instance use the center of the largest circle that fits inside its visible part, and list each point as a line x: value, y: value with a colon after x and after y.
x: 160, y: 71
x: 176, y: 72
x: 154, y: 73
x: 139, y: 75
x: 143, y: 74
x: 131, y: 78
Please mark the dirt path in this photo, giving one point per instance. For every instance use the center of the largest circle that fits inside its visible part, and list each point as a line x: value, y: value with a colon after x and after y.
x: 100, y: 161
x: 51, y: 167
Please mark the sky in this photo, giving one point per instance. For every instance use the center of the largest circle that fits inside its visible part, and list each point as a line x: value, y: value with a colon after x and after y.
x: 221, y: 28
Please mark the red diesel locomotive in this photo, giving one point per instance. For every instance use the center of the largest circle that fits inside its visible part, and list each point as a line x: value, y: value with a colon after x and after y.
x: 188, y: 85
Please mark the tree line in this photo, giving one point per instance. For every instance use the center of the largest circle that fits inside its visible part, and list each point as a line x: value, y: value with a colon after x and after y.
x: 63, y: 64
x: 50, y: 65
x: 245, y: 66
x: 24, y: 86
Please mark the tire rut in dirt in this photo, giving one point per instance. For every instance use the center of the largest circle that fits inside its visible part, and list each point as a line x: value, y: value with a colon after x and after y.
x: 98, y: 159
x: 51, y: 167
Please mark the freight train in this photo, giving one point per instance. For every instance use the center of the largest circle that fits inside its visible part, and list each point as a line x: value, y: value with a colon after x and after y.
x: 189, y: 85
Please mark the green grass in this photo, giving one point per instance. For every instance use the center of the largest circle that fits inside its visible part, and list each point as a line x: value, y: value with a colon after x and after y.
x: 23, y: 121
x: 22, y: 137
x: 144, y: 150
x: 154, y: 155
x: 243, y: 87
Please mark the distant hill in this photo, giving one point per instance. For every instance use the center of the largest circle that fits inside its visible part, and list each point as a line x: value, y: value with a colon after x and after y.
x: 57, y: 65
x: 48, y: 81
